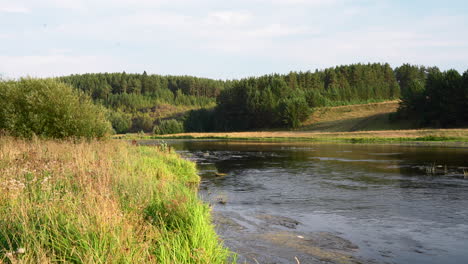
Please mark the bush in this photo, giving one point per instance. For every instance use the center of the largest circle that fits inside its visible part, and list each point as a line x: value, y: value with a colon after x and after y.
x: 142, y: 122
x: 121, y: 122
x: 293, y: 110
x: 201, y: 120
x: 48, y: 108
x: 171, y: 126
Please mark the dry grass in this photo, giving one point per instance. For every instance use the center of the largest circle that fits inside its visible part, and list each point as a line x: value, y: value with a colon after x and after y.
x: 374, y: 116
x: 100, y: 202
x: 167, y: 111
x: 414, y: 133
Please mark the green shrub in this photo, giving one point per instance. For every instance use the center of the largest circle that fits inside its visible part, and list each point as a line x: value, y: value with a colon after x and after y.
x: 121, y: 122
x: 48, y: 108
x: 201, y: 120
x: 142, y: 122
x: 293, y: 110
x: 171, y: 126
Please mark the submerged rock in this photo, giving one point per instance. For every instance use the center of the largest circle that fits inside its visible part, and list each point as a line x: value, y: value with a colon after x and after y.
x: 278, y: 220
x: 322, y: 246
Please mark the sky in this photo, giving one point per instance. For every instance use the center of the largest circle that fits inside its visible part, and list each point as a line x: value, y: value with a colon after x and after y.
x: 227, y: 39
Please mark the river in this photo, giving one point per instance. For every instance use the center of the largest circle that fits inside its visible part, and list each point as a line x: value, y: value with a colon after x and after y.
x: 335, y: 203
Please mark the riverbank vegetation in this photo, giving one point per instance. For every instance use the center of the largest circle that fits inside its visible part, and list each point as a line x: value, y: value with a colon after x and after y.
x: 51, y: 109
x: 101, y: 202
x: 70, y: 195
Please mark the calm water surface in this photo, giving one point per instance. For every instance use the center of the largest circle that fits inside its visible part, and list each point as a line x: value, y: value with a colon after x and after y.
x: 397, y: 204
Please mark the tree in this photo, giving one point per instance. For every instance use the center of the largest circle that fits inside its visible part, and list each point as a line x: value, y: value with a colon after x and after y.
x: 293, y: 110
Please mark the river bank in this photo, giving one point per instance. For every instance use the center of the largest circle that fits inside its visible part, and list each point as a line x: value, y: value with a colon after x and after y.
x: 101, y: 202
x: 424, y: 137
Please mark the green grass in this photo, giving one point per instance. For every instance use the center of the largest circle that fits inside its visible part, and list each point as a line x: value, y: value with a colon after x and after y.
x: 101, y: 202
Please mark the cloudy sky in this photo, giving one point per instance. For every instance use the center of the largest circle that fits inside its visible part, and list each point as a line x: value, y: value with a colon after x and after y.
x: 227, y: 39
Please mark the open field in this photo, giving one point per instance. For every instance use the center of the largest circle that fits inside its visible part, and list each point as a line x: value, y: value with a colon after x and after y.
x: 364, y: 117
x: 101, y: 202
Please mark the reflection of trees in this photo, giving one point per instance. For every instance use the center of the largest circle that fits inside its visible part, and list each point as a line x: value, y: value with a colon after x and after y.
x: 372, y: 160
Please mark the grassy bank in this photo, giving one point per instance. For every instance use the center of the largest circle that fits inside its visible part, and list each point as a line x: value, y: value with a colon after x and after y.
x: 452, y: 136
x: 101, y: 202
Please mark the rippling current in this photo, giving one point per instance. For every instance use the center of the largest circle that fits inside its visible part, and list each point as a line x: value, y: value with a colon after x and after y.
x: 396, y: 204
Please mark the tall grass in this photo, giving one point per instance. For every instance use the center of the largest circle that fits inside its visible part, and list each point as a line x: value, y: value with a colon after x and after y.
x: 101, y: 202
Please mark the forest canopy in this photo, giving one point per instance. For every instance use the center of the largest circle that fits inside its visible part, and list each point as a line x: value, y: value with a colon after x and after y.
x: 259, y: 102
x: 287, y: 100
x: 433, y: 98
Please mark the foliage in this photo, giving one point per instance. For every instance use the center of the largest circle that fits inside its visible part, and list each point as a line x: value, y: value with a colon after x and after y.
x: 101, y: 202
x: 200, y: 120
x: 269, y: 101
x: 293, y: 110
x: 284, y: 100
x: 439, y: 100
x: 135, y: 95
x: 48, y: 108
x: 121, y: 122
x: 142, y: 122
x: 170, y: 126
x: 102, y: 86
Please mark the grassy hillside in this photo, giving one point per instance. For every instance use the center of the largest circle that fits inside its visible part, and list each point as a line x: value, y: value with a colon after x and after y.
x: 353, y: 123
x: 101, y: 202
x: 363, y: 117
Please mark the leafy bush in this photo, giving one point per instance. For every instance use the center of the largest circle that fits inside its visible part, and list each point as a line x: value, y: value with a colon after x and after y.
x: 121, y: 122
x: 48, y: 108
x: 293, y: 110
x: 171, y: 126
x: 142, y: 122
x: 201, y: 120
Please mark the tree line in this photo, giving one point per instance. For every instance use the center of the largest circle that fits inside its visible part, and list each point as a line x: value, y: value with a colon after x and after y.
x: 101, y: 85
x: 287, y: 100
x: 133, y: 102
x: 432, y: 97
x: 275, y: 100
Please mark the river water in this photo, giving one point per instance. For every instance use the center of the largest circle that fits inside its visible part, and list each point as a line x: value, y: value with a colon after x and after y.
x: 335, y: 203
